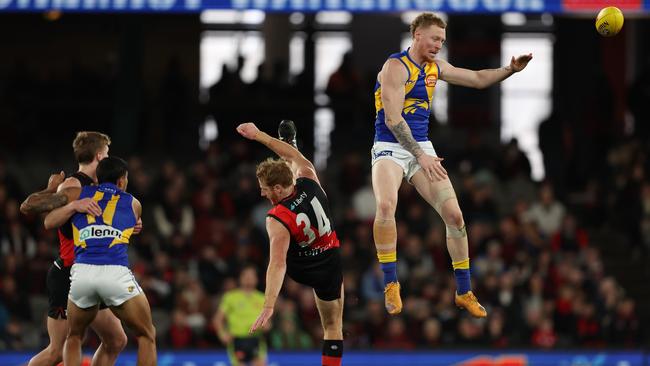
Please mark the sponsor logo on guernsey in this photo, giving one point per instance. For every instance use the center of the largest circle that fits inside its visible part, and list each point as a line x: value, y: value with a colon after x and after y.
x: 298, y: 200
x: 312, y: 252
x: 99, y: 232
x: 431, y: 80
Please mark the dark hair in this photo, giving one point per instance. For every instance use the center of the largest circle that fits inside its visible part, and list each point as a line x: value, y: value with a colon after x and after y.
x: 111, y: 169
x: 88, y: 143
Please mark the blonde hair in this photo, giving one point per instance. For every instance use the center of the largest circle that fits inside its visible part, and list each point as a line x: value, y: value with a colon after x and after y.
x: 88, y: 143
x: 274, y: 171
x: 425, y: 20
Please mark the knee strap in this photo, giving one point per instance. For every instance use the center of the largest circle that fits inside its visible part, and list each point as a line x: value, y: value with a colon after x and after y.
x: 443, y: 196
x: 455, y: 233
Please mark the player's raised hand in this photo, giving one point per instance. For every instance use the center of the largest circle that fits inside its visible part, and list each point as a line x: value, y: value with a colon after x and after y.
x: 262, y: 319
x: 519, y: 63
x: 87, y: 205
x: 55, y: 180
x: 248, y: 130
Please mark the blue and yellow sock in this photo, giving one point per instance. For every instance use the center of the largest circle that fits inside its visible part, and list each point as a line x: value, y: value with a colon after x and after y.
x: 461, y: 272
x: 388, y: 263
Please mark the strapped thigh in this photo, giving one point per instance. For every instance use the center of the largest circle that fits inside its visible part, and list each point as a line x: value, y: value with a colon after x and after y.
x: 443, y: 196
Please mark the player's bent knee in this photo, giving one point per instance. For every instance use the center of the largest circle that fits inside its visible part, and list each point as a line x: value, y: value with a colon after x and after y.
x: 116, y: 343
x: 55, y: 354
x: 454, y: 219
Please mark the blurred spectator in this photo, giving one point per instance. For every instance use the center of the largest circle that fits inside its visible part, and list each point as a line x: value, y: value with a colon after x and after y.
x: 173, y: 216
x: 570, y: 237
x: 15, y: 300
x: 626, y: 330
x: 544, y: 336
x: 288, y: 336
x: 547, y: 213
x: 15, y: 238
x: 590, y: 333
x: 394, y: 337
x: 180, y: 334
x: 548, y: 267
x: 431, y: 332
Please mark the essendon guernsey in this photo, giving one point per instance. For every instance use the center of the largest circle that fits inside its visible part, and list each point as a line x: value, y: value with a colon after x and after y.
x: 306, y: 214
x: 66, y: 244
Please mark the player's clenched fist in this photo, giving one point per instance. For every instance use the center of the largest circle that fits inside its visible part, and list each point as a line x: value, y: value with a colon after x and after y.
x: 248, y: 130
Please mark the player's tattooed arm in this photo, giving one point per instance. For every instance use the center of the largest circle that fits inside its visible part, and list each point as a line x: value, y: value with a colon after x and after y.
x: 403, y: 134
x: 35, y: 203
x: 43, y: 201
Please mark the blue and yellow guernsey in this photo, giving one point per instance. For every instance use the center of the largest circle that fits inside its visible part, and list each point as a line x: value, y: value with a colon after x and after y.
x: 418, y: 92
x: 102, y: 239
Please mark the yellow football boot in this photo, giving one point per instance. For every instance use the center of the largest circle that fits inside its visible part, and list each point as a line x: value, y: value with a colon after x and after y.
x: 467, y: 301
x: 392, y: 299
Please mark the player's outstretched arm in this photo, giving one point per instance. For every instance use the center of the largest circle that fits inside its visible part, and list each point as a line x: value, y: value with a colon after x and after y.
x: 482, y: 78
x: 304, y: 167
x: 279, y: 239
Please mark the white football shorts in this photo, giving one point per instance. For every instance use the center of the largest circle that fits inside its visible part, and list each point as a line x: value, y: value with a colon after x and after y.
x: 91, y: 284
x: 395, y: 152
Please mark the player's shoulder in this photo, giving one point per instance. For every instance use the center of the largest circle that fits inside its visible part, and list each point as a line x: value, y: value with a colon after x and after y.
x: 306, y: 181
x: 279, y: 212
x: 70, y: 182
x: 443, y: 65
x: 397, y: 68
x: 310, y: 186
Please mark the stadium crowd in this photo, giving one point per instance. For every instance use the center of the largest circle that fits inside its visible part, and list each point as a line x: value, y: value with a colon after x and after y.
x: 536, y: 262
x: 535, y: 248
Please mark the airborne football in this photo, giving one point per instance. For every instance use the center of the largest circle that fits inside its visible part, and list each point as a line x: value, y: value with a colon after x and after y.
x: 609, y: 21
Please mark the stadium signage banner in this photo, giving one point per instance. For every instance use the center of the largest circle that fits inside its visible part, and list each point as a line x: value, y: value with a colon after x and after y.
x: 378, y: 358
x: 447, y: 6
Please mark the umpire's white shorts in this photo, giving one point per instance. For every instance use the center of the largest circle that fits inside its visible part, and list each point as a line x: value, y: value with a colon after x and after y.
x: 395, y: 152
x: 91, y: 284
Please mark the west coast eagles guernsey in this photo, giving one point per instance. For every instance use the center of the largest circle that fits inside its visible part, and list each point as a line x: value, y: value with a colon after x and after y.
x: 102, y: 240
x: 418, y: 98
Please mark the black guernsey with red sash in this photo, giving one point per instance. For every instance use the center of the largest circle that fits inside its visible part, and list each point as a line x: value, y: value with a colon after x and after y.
x: 313, y: 257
